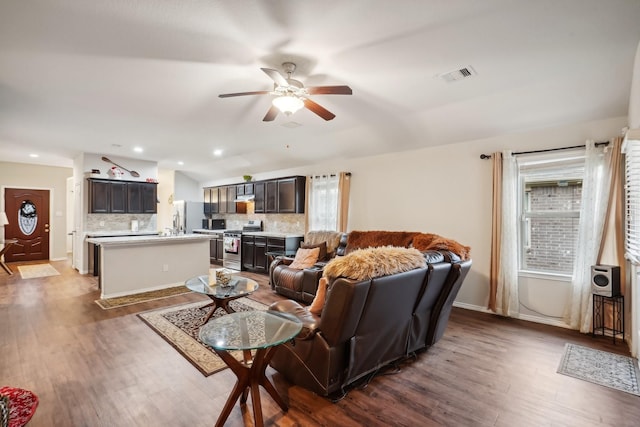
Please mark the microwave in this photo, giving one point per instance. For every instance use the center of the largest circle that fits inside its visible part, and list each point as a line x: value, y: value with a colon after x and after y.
x: 217, y: 224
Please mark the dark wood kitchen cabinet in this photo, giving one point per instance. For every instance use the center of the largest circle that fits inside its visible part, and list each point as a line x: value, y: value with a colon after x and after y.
x: 142, y: 197
x: 231, y: 198
x: 254, y: 257
x: 258, y: 200
x: 291, y: 194
x: 271, y: 196
x: 211, y: 197
x: 107, y: 196
x: 216, y: 249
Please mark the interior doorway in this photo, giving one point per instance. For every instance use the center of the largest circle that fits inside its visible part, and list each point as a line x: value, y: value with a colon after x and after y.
x: 28, y: 214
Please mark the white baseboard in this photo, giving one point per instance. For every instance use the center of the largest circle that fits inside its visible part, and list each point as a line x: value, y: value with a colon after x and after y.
x: 527, y: 317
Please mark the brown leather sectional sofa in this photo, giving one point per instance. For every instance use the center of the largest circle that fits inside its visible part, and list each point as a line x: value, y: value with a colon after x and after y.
x: 368, y: 324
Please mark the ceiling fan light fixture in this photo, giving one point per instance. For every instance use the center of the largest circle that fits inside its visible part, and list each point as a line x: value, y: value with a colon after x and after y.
x: 288, y: 104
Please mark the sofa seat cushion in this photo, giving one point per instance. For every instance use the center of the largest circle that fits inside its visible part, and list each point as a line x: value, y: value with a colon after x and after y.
x: 305, y: 258
x: 366, y: 264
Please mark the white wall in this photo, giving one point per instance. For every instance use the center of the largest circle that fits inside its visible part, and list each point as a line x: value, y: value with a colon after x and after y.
x: 445, y: 190
x: 54, y: 179
x: 634, y: 99
x: 187, y: 188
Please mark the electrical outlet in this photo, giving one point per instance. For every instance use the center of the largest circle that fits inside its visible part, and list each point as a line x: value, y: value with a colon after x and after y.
x: 165, y: 267
x: 101, y: 223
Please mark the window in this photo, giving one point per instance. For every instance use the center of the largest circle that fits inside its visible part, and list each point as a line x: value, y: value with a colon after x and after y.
x: 631, y: 150
x: 323, y: 202
x: 550, y: 196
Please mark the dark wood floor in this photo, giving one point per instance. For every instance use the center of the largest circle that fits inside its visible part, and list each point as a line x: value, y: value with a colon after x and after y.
x: 94, y: 367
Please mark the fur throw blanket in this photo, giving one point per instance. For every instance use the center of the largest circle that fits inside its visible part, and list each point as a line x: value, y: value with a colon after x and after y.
x: 365, y: 264
x: 432, y: 242
x: 373, y: 239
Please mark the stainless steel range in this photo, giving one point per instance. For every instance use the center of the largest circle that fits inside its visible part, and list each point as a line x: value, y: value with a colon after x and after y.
x: 232, y: 257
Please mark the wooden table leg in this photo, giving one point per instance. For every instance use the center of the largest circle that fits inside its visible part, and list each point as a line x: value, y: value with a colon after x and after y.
x: 250, y: 377
x: 6, y: 267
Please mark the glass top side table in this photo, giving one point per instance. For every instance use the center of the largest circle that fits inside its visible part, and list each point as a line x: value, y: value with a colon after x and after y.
x: 221, y: 296
x: 262, y: 331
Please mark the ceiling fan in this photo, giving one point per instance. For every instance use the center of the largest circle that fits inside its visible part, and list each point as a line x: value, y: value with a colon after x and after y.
x: 291, y: 95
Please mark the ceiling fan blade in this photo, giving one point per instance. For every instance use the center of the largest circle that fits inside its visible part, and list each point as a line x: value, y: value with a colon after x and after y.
x: 271, y: 114
x: 318, y: 109
x: 329, y: 90
x: 259, y: 92
x: 276, y: 76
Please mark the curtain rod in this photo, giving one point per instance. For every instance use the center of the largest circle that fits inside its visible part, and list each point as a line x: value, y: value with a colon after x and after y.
x: 597, y: 144
x: 330, y: 175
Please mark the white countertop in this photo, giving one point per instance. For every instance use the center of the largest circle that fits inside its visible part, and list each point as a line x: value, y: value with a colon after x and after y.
x: 126, y: 240
x: 119, y: 233
x: 271, y: 234
x: 206, y: 231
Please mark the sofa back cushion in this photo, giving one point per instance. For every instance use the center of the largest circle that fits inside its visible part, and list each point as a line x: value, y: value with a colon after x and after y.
x: 322, y: 246
x: 364, y: 264
x: 373, y: 239
x: 332, y: 239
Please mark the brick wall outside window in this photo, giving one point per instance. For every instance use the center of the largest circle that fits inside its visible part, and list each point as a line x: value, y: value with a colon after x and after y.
x: 553, y: 240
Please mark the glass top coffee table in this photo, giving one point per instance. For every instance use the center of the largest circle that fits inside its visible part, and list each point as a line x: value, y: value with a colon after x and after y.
x: 221, y: 296
x: 256, y: 330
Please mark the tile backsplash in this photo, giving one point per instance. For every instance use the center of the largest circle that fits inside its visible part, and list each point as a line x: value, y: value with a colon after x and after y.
x: 280, y: 223
x: 121, y: 222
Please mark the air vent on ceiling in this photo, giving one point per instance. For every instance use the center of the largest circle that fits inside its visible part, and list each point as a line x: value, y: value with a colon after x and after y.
x: 291, y: 125
x: 455, y: 75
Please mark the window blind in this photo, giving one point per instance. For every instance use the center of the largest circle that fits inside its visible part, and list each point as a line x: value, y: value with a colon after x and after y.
x: 631, y: 150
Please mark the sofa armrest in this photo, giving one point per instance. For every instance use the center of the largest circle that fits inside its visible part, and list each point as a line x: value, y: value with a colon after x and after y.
x: 309, y: 320
x: 280, y: 260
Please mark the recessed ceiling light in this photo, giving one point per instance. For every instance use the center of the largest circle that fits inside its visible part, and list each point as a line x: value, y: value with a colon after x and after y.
x: 138, y: 149
x: 34, y: 155
x: 217, y: 152
x: 181, y: 163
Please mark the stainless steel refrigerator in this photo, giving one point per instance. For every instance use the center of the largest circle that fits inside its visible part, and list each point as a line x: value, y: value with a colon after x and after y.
x: 187, y: 216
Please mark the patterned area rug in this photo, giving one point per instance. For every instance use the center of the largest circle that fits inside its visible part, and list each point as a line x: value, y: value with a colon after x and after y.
x: 108, y: 303
x: 179, y: 326
x: 600, y: 367
x: 34, y: 271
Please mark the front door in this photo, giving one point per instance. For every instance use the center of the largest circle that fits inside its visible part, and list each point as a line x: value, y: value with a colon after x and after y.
x: 28, y: 214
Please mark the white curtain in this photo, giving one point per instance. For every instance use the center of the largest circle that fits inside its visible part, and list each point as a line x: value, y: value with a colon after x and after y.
x: 593, y: 210
x: 507, y: 290
x: 322, y: 211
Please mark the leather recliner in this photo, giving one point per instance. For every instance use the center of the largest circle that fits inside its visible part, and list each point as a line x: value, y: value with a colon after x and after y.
x: 301, y: 285
x: 366, y: 325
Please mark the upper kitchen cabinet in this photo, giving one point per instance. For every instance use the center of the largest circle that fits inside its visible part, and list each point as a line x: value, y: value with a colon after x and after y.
x: 211, y: 200
x: 142, y: 197
x: 258, y: 201
x: 271, y: 196
x: 106, y: 196
x: 291, y: 194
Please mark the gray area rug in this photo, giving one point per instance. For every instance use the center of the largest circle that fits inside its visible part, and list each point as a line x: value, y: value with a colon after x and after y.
x: 601, y: 367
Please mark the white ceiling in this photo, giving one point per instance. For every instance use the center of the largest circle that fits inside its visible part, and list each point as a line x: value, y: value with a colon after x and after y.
x: 105, y: 76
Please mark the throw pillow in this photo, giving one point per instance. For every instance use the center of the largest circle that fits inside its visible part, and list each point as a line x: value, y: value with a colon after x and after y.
x: 4, y: 411
x: 364, y: 264
x: 321, y: 294
x: 305, y: 258
x: 322, y: 246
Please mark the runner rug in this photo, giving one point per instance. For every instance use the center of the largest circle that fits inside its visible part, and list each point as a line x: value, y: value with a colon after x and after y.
x: 116, y: 302
x: 600, y: 367
x: 33, y: 271
x: 179, y: 326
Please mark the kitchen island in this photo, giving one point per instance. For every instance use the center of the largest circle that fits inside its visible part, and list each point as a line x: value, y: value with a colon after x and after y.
x: 135, y: 264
